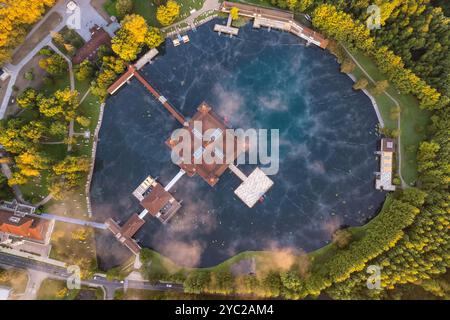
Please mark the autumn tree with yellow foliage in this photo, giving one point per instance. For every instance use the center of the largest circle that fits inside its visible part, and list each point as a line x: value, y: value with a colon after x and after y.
x: 15, y: 18
x: 166, y: 14
x: 130, y: 39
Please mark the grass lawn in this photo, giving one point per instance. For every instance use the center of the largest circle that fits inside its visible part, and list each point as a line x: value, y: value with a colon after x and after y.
x: 59, y: 83
x: 82, y: 252
x: 413, y: 119
x: 13, y: 278
x: 57, y: 290
x: 147, y: 9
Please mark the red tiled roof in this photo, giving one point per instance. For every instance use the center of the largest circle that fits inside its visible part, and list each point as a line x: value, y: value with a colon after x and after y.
x: 210, y: 172
x: 27, y: 227
x: 156, y: 200
x: 133, y: 224
x: 89, y: 50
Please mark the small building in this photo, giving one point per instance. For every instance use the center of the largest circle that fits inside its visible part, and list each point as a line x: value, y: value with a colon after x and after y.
x: 383, y: 179
x: 4, y: 74
x: 156, y: 200
x: 89, y: 50
x: 125, y: 233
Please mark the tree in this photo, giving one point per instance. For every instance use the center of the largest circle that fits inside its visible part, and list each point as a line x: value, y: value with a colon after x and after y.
x: 63, y: 103
x: 224, y: 281
x: 361, y: 84
x: 129, y: 40
x: 342, y: 238
x: 124, y: 7
x: 28, y: 99
x: 16, y: 17
x: 57, y: 128
x: 11, y: 137
x: 304, y: 5
x: 29, y: 75
x: 57, y: 37
x: 348, y: 66
x: 69, y: 102
x: 54, y: 64
x: 380, y: 87
x: 197, y: 281
x: 234, y: 13
x: 72, y: 167
x: 83, y: 121
x: 272, y: 284
x: 166, y: 14
x: 84, y: 71
x: 153, y: 38
x: 30, y: 163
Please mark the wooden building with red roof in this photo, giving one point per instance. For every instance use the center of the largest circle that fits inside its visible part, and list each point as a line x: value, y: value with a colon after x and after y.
x: 89, y: 50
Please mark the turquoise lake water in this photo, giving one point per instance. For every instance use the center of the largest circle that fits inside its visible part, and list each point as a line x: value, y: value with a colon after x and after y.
x: 259, y: 79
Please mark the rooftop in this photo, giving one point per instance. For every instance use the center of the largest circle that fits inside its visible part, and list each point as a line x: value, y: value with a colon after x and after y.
x: 384, y: 177
x: 254, y: 187
x: 221, y: 145
x: 89, y: 50
x: 31, y: 228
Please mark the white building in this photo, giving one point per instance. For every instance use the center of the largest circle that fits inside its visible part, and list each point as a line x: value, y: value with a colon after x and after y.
x: 384, y: 177
x: 4, y: 74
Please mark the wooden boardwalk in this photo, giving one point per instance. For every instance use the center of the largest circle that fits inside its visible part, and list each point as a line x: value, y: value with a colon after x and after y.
x: 131, y: 71
x: 160, y: 98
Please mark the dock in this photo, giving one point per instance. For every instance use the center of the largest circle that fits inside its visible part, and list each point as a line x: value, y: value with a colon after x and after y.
x: 125, y: 233
x: 146, y: 58
x: 133, y: 72
x: 272, y: 19
x: 220, y: 28
x: 156, y: 200
x: 178, y: 116
x: 253, y: 187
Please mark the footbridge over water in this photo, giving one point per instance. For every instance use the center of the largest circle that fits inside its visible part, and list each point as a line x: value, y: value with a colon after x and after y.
x: 133, y: 72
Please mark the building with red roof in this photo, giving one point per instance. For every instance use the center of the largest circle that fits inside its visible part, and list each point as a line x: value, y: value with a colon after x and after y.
x: 23, y: 226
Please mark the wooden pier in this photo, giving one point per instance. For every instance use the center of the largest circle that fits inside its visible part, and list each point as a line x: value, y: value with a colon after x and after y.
x: 132, y: 71
x: 160, y: 98
x: 273, y: 18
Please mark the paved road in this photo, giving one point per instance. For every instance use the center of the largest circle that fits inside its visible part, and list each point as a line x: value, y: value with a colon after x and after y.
x: 59, y: 273
x: 80, y: 222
